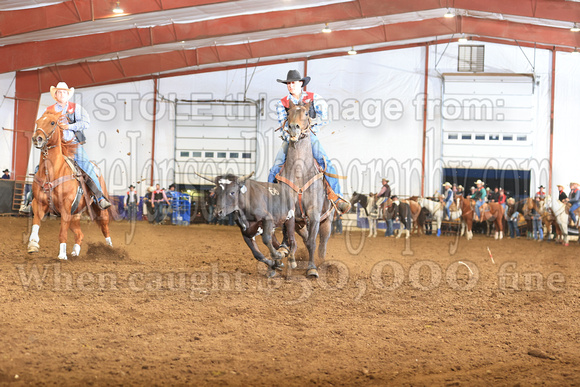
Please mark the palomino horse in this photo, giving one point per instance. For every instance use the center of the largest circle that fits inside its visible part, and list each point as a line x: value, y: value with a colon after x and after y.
x: 436, y: 209
x: 492, y: 212
x: 57, y: 188
x: 302, y: 173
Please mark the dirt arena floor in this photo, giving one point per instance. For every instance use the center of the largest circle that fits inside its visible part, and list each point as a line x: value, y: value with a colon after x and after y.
x: 173, y: 305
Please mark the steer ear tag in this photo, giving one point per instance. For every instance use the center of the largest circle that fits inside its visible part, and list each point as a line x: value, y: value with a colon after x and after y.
x: 243, y: 189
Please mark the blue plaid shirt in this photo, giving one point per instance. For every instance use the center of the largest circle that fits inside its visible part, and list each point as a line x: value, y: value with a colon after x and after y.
x: 320, y: 106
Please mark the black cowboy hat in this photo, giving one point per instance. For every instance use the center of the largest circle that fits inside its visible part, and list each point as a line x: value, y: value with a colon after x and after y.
x: 6, y: 170
x: 293, y: 76
x: 131, y: 186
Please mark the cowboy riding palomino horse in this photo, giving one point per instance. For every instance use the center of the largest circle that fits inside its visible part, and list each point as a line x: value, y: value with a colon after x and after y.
x: 302, y: 173
x: 492, y: 212
x: 58, y: 188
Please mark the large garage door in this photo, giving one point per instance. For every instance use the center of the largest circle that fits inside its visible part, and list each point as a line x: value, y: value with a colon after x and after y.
x: 487, y: 118
x: 214, y: 137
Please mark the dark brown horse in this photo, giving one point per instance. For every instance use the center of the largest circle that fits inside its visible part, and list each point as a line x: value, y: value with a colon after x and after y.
x: 58, y: 188
x: 302, y: 173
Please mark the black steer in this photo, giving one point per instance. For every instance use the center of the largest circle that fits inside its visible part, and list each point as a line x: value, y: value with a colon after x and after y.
x: 258, y: 208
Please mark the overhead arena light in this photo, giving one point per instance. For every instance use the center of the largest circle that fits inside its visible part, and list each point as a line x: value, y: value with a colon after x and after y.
x: 449, y: 13
x: 118, y: 8
x: 326, y: 29
x: 575, y: 28
x: 352, y: 51
x: 463, y: 39
x: 575, y: 52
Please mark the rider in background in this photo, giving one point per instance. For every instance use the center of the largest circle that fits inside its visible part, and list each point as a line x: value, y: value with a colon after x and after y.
x: 479, y: 196
x: 318, y: 114
x: 74, y: 120
x: 561, y: 194
x: 383, y: 194
x: 448, y: 198
x: 574, y: 199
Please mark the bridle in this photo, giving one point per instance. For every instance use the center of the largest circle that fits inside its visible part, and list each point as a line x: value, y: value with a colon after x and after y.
x: 45, y: 148
x: 303, y: 132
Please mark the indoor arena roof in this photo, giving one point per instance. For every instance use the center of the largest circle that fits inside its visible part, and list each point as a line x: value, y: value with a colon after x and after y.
x: 87, y: 43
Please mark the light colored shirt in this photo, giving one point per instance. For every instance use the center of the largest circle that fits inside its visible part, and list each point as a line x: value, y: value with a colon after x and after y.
x: 320, y: 106
x: 81, y: 120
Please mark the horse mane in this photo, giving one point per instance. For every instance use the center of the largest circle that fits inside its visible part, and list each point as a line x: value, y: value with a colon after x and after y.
x: 69, y: 148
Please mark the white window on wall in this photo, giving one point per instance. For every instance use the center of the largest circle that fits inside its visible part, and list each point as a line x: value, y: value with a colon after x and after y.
x: 471, y: 59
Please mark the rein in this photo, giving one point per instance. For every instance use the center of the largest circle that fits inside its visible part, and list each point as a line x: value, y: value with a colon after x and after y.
x: 299, y: 190
x: 47, y: 185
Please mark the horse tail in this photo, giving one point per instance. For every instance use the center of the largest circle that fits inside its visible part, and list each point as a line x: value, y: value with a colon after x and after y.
x: 114, y: 212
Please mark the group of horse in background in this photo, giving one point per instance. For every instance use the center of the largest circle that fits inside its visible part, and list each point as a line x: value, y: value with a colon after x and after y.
x: 414, y: 212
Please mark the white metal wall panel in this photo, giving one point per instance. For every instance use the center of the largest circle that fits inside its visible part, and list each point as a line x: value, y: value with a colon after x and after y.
x: 214, y: 138
x: 489, y: 116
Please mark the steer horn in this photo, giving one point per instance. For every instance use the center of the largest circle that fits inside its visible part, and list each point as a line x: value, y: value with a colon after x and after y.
x: 206, y: 178
x: 246, y: 177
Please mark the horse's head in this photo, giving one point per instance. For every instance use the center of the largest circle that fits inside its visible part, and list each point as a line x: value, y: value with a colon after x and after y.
x: 45, y: 133
x: 298, y: 121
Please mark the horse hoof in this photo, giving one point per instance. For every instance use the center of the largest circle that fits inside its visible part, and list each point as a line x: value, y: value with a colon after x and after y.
x: 278, y: 265
x: 283, y: 251
x: 33, y: 247
x: 63, y: 257
x: 76, y: 250
x: 271, y: 273
x: 312, y: 273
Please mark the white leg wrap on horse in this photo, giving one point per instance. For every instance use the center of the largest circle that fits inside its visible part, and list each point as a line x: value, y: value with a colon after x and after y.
x: 76, y: 250
x: 108, y: 240
x: 496, y: 235
x: 34, y: 233
x: 62, y: 254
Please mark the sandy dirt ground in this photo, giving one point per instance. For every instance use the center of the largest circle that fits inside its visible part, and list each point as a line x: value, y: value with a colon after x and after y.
x: 173, y: 305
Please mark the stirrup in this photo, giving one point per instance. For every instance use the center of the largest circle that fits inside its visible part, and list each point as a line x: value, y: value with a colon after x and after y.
x: 104, y: 203
x: 342, y: 205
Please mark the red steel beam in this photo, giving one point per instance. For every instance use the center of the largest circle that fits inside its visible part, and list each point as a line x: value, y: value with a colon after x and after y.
x: 80, y: 11
x: 142, y: 65
x: 425, y: 99
x: 27, y: 96
x: 552, y: 98
x: 110, y: 71
x: 17, y: 56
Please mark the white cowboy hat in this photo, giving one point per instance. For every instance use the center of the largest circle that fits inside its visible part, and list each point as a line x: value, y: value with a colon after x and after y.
x: 460, y: 186
x: 150, y: 189
x: 560, y: 186
x: 573, y: 183
x: 479, y: 182
x: 446, y: 184
x: 62, y: 86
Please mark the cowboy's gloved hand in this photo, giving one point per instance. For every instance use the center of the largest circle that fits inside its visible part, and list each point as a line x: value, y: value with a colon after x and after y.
x: 63, y: 123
